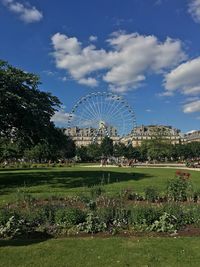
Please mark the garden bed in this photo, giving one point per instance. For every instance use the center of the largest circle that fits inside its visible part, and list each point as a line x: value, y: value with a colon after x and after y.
x: 175, y: 212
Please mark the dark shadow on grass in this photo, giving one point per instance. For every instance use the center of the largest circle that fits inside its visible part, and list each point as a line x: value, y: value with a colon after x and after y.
x: 32, y: 238
x: 67, y: 179
x: 24, y: 169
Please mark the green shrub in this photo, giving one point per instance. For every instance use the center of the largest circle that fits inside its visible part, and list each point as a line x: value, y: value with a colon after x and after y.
x: 14, y: 227
x: 5, y: 214
x: 96, y: 191
x: 92, y: 224
x: 92, y: 205
x: 192, y: 214
x: 23, y: 196
x: 184, y: 215
x: 128, y: 194
x: 106, y: 214
x: 196, y: 195
x: 69, y: 216
x: 144, y: 215
x: 179, y: 189
x: 151, y: 194
x: 165, y: 223
x: 47, y: 214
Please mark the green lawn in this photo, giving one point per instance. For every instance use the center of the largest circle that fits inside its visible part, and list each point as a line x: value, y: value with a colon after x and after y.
x: 75, y: 252
x: 71, y: 180
x: 98, y: 252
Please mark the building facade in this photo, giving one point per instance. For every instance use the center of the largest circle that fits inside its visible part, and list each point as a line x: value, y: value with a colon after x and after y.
x: 194, y: 136
x: 86, y: 136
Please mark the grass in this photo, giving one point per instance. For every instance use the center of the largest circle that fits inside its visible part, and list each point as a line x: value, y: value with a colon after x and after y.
x: 98, y: 252
x: 75, y: 252
x: 73, y: 180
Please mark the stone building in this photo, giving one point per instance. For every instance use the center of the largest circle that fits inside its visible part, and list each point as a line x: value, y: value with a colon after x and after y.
x: 149, y: 132
x: 194, y: 136
x: 85, y: 136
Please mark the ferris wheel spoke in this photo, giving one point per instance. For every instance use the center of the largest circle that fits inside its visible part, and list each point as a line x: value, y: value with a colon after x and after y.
x: 84, y: 116
x: 108, y: 103
x: 84, y: 120
x: 95, y: 107
x: 116, y: 110
x: 98, y: 107
x: 115, y: 107
x: 95, y: 113
x: 92, y: 108
x: 89, y: 111
x: 121, y: 111
x: 113, y: 104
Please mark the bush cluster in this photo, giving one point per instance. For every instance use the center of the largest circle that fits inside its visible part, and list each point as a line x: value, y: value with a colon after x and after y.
x: 97, y: 212
x: 106, y: 215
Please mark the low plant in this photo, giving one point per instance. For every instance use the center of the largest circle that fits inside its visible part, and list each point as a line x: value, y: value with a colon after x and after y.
x: 128, y: 194
x: 23, y: 196
x: 92, y: 205
x: 92, y: 224
x: 165, y: 223
x: 144, y: 215
x: 96, y: 191
x: 5, y: 214
x: 69, y: 216
x: 151, y: 194
x: 179, y: 189
x: 196, y: 195
x: 14, y: 227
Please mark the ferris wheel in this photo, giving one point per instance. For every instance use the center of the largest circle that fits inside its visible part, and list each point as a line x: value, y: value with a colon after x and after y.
x: 104, y: 113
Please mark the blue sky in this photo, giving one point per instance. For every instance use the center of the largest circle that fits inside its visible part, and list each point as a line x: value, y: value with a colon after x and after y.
x: 146, y: 50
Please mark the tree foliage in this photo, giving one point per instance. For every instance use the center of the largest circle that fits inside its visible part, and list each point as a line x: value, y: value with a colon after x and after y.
x: 26, y: 129
x: 25, y: 111
x: 107, y: 147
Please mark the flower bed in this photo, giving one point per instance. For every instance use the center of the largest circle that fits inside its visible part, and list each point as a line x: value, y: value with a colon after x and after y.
x: 127, y: 212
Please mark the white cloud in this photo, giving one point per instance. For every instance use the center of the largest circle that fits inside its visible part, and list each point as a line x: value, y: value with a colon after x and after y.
x: 93, y: 38
x: 192, y: 107
x: 26, y: 12
x: 49, y: 72
x: 166, y: 93
x: 194, y: 10
x: 148, y: 110
x: 89, y: 82
x: 125, y: 65
x: 185, y: 78
x: 60, y: 117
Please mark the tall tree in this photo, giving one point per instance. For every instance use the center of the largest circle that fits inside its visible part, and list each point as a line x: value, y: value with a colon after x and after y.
x: 25, y: 112
x: 107, y: 147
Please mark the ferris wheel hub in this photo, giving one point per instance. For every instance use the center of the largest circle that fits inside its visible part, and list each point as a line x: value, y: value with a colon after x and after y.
x: 102, y: 125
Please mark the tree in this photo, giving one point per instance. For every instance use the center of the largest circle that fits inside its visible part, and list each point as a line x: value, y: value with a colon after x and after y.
x: 107, y: 147
x: 81, y: 153
x: 155, y: 149
x: 10, y: 151
x: 57, y: 146
x: 132, y: 152
x: 94, y: 151
x: 119, y: 150
x: 25, y: 112
x: 39, y: 153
